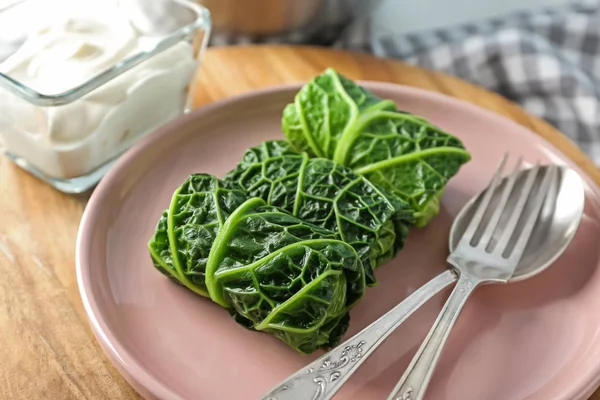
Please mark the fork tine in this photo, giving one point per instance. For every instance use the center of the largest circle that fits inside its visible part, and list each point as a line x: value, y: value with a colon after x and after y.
x: 499, y: 209
x: 540, y: 199
x: 518, y: 208
x: 476, y: 220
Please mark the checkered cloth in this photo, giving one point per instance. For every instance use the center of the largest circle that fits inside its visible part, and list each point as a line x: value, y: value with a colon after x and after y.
x: 547, y: 60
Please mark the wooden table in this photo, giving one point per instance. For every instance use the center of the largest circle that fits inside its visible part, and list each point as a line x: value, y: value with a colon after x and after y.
x: 47, y: 350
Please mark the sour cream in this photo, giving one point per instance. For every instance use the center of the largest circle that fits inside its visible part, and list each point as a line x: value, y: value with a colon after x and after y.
x: 65, y: 51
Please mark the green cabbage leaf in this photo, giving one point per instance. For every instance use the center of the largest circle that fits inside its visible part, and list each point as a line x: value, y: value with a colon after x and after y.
x: 273, y: 271
x: 329, y: 195
x: 332, y: 117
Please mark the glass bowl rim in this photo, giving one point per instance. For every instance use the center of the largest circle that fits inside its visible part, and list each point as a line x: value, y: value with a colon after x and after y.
x: 202, y: 21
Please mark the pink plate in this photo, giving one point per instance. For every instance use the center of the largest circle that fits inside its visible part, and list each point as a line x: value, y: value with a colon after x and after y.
x: 536, y: 339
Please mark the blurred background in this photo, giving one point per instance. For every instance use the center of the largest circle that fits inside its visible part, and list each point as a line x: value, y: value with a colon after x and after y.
x: 336, y: 22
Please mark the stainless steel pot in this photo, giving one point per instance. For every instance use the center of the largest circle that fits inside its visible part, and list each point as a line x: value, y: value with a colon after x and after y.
x: 296, y: 20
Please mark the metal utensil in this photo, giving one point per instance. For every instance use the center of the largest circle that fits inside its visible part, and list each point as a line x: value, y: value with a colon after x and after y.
x: 324, y: 377
x: 489, y: 251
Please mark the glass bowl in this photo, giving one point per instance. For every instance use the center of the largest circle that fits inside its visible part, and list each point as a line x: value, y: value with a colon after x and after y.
x: 82, y: 81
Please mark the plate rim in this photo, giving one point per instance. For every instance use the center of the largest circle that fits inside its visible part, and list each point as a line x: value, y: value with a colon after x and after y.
x: 128, y: 366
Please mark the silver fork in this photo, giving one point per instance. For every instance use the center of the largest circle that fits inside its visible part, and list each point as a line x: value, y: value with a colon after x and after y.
x: 480, y: 257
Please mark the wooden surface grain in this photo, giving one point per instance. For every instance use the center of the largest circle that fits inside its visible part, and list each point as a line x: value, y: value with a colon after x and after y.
x: 47, y: 350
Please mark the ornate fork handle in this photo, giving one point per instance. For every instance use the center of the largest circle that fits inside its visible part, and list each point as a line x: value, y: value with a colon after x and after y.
x: 322, y: 378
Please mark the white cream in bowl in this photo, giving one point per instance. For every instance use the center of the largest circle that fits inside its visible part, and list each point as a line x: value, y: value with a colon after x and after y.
x: 65, y: 50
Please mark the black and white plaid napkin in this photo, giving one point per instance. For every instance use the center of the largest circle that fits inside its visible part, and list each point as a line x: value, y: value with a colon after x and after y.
x: 546, y: 60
